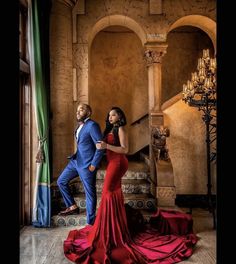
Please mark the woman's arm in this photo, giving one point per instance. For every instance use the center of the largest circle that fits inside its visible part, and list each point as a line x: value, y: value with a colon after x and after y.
x: 124, y: 146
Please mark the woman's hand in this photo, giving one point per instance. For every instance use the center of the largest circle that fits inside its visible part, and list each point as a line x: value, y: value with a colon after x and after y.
x: 101, y: 145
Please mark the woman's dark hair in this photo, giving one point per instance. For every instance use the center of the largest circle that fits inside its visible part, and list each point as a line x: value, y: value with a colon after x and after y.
x: 114, y: 129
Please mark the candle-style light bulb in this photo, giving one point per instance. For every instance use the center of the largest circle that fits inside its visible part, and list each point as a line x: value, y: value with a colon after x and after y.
x: 184, y: 88
x: 204, y: 54
x: 202, y: 85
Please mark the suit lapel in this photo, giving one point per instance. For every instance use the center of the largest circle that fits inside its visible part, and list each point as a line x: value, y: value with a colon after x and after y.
x: 82, y: 130
x: 76, y: 131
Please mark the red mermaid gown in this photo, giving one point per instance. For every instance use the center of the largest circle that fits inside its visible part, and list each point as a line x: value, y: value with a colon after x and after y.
x: 167, y: 239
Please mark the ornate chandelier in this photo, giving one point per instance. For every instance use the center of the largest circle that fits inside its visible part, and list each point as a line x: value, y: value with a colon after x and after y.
x: 201, y: 92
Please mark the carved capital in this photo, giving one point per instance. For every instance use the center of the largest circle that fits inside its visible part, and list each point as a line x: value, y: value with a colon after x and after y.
x: 154, y: 52
x: 153, y: 56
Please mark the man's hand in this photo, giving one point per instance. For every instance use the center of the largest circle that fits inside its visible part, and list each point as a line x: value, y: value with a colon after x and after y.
x: 101, y: 145
x: 91, y: 168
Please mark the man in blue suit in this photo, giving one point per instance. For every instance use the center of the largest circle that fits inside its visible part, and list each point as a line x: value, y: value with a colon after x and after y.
x: 83, y: 163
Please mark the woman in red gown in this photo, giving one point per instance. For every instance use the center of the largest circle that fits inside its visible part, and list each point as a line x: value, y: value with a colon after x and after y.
x: 168, y: 238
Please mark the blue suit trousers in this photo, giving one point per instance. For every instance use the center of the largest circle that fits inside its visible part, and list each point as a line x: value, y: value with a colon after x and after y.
x: 88, y: 179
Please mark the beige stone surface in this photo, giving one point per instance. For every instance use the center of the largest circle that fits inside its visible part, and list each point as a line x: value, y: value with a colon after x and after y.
x: 110, y: 70
x: 118, y: 76
x: 187, y: 148
x: 62, y: 122
x: 45, y: 245
x: 185, y: 45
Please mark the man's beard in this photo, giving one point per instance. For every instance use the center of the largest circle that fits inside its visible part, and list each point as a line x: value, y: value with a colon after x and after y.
x: 82, y: 118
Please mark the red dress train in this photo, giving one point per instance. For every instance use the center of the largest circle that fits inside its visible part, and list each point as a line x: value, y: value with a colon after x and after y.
x: 167, y: 239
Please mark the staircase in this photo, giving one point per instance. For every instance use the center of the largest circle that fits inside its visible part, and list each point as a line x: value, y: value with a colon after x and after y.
x: 136, y: 187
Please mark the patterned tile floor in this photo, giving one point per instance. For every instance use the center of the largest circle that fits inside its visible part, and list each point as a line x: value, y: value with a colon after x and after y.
x: 44, y: 245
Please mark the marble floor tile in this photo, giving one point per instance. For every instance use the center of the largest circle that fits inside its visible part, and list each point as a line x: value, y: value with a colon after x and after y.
x: 45, y: 245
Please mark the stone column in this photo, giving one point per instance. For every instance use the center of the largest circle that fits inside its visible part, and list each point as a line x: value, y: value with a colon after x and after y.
x: 80, y: 57
x: 161, y: 171
x: 61, y: 79
x: 153, y: 55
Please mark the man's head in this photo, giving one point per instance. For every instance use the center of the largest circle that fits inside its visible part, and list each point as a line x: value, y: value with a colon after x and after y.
x: 83, y: 111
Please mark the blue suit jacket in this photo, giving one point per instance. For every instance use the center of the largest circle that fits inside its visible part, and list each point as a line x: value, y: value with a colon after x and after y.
x: 86, y: 153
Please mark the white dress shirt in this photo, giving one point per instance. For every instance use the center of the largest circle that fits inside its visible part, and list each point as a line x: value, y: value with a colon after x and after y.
x: 79, y: 128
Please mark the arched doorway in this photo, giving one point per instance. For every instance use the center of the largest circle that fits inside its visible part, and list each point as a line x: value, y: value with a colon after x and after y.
x: 117, y: 74
x: 187, y: 37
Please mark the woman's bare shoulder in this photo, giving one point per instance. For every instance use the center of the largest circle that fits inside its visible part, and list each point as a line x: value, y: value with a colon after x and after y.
x: 122, y: 129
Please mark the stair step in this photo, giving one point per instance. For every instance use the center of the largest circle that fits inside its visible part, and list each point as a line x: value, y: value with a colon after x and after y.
x: 130, y: 174
x: 128, y: 186
x: 136, y: 171
x: 136, y: 201
x: 80, y: 219
x: 135, y: 186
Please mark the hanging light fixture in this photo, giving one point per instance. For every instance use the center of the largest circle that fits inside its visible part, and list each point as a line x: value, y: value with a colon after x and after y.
x: 201, y: 90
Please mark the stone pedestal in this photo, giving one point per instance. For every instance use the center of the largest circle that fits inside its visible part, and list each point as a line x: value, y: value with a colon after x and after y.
x: 166, y: 192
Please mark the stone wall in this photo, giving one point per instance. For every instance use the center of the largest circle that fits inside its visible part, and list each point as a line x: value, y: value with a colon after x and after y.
x: 187, y: 149
x: 78, y: 42
x: 118, y: 75
x: 63, y: 115
x: 185, y: 46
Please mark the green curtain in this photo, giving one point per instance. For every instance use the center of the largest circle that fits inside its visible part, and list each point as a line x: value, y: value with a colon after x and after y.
x: 38, y: 61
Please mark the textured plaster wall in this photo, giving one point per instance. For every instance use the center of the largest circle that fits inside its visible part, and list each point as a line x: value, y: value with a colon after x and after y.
x: 185, y: 46
x: 187, y: 149
x: 70, y: 40
x: 139, y: 11
x: 63, y: 114
x: 118, y: 76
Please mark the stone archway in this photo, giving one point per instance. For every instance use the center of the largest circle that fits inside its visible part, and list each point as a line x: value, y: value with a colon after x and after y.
x: 117, y: 20
x: 165, y: 182
x: 111, y: 78
x: 193, y: 169
x: 204, y: 23
x: 82, y: 51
